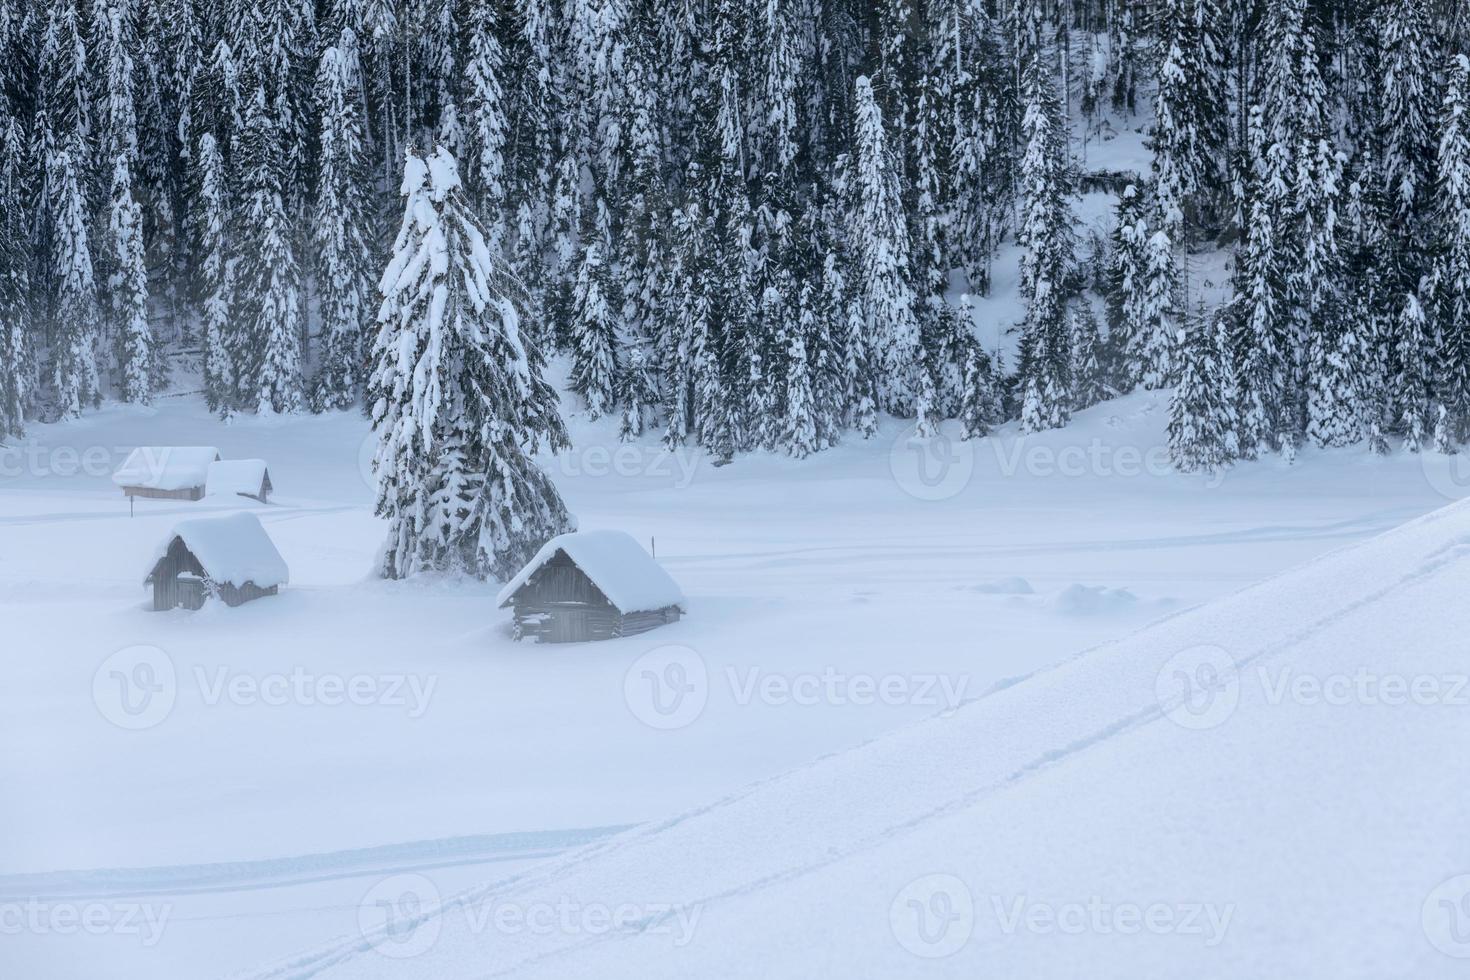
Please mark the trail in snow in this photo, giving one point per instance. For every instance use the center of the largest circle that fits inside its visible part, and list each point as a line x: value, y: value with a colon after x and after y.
x: 109, y: 883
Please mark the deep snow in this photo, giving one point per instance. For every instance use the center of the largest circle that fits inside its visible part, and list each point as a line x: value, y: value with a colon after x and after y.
x: 832, y: 600
x: 1247, y: 789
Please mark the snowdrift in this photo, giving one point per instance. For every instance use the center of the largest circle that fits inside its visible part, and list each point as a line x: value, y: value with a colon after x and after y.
x: 1270, y: 785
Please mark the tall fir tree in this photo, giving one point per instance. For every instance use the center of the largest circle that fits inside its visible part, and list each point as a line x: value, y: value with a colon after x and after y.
x: 16, y: 381
x: 74, y: 355
x: 1127, y: 280
x: 342, y: 226
x: 269, y: 286
x: 1451, y: 270
x: 137, y: 354
x: 1047, y: 236
x: 594, y: 334
x: 457, y: 397
x: 883, y: 249
x: 1201, y: 417
x: 1412, y: 386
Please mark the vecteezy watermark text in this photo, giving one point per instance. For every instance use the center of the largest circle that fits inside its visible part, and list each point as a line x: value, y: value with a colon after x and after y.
x: 669, y: 687
x: 403, y: 916
x: 138, y: 687
x: 142, y: 920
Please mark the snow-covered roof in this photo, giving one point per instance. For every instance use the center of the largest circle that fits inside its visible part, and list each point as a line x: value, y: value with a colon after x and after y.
x: 233, y: 550
x: 236, y: 476
x: 166, y: 467
x: 615, y: 563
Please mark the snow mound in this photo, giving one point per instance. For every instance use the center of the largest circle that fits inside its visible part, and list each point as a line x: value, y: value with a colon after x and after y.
x: 233, y: 477
x: 1159, y: 806
x: 615, y: 563
x: 1013, y: 585
x: 166, y: 467
x: 1088, y: 600
x: 234, y: 550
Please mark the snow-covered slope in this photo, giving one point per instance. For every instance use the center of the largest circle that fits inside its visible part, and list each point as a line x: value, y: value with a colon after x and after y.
x: 1269, y: 785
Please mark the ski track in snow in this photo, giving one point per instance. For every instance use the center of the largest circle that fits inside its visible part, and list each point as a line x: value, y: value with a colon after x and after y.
x: 199, y: 879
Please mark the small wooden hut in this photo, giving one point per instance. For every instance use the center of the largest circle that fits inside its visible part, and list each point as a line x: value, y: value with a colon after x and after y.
x: 591, y: 585
x: 231, y: 558
x: 240, y: 478
x: 166, y: 472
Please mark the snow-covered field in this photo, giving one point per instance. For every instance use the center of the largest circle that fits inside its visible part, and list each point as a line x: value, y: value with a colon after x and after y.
x: 260, y: 771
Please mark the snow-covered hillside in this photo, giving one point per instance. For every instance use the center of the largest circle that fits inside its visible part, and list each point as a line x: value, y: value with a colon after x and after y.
x: 1264, y: 786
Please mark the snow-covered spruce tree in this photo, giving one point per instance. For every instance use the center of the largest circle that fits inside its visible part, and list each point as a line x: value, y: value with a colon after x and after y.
x: 970, y: 82
x: 487, y: 123
x: 858, y: 389
x: 216, y: 277
x: 1412, y: 386
x: 799, y: 434
x: 456, y: 397
x: 1046, y: 235
x: 269, y: 285
x: 15, y: 351
x: 128, y: 289
x: 1201, y: 419
x: 1088, y: 375
x: 687, y: 358
x: 1367, y: 309
x: 981, y: 407
x: 1158, y: 316
x: 564, y: 221
x: 637, y: 391
x: 1405, y: 83
x: 882, y: 246
x: 1315, y: 279
x: 1334, y: 412
x: 1451, y: 272
x: 74, y: 354
x: 341, y: 227
x: 1189, y: 111
x: 1127, y: 265
x: 1260, y: 295
x: 594, y: 329
x: 778, y: 39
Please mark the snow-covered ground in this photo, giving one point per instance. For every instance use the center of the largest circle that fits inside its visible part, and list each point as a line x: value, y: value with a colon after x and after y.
x: 1248, y: 789
x: 831, y: 600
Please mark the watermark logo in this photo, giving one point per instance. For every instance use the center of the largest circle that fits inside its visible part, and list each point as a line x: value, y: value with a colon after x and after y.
x: 1100, y: 917
x: 1448, y: 474
x: 136, y: 687
x: 1199, y: 687
x: 399, y: 914
x: 840, y: 689
x: 403, y: 916
x: 35, y: 459
x: 674, y: 468
x: 141, y: 920
x: 1363, y: 687
x: 409, y: 692
x: 931, y: 468
x: 367, y: 455
x: 667, y: 688
x: 1446, y: 917
x: 933, y: 916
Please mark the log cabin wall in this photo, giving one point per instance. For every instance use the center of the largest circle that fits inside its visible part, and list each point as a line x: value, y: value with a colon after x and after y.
x: 169, y: 592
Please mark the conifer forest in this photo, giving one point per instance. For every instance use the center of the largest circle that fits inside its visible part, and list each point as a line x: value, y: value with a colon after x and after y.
x: 741, y: 225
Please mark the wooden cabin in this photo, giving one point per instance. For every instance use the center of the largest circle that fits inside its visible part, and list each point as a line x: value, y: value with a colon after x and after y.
x: 240, y: 478
x: 166, y: 472
x: 591, y: 585
x: 229, y: 558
